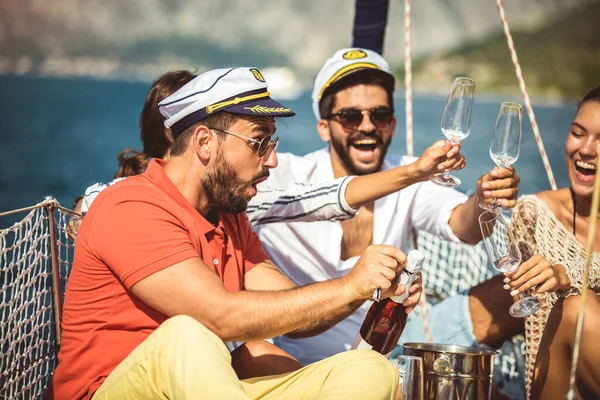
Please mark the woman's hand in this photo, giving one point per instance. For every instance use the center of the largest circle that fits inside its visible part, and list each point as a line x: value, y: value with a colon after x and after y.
x: 538, y: 273
x: 501, y: 184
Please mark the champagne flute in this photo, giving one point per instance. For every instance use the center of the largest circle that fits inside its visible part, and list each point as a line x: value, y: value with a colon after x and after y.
x: 456, y: 121
x: 505, y: 255
x: 506, y: 140
x: 410, y: 370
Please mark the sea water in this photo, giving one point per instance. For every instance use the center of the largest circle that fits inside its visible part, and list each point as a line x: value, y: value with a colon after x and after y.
x: 58, y: 136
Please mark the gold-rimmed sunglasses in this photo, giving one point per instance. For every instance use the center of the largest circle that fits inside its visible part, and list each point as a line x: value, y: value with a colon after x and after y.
x: 259, y: 147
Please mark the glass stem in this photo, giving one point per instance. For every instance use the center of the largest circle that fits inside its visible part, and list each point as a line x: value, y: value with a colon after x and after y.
x: 525, y: 295
x: 445, y: 174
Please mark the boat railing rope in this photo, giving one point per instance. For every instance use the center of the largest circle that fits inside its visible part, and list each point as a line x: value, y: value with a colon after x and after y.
x: 523, y: 87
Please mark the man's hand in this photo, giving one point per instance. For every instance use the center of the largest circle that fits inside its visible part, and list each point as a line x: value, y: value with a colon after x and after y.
x: 539, y: 273
x: 375, y: 269
x: 415, y: 293
x: 501, y: 184
x: 442, y: 156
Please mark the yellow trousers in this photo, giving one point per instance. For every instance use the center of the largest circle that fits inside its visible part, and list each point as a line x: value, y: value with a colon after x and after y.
x: 182, y: 359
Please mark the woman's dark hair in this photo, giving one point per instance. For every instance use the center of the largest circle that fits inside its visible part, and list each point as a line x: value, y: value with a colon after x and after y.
x: 593, y: 95
x: 77, y: 200
x: 131, y: 162
x: 156, y: 139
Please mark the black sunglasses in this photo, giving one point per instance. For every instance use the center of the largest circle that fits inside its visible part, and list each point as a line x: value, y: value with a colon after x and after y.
x: 259, y: 147
x: 351, y: 118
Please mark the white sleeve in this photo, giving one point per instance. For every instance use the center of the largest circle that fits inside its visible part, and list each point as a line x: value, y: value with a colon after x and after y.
x: 432, y: 207
x: 92, y: 192
x: 323, y: 201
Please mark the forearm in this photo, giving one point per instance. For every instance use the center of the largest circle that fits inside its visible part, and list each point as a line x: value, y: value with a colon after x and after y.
x: 323, y: 324
x: 319, y: 201
x: 250, y: 315
x: 464, y: 221
x: 368, y: 188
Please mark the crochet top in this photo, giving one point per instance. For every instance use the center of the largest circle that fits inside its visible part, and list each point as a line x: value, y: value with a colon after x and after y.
x: 538, y: 231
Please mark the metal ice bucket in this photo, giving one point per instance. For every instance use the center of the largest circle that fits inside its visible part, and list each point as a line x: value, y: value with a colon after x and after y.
x: 454, y: 372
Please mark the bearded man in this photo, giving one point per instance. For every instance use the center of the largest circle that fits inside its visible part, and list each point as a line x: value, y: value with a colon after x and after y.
x: 353, y: 102
x: 167, y: 269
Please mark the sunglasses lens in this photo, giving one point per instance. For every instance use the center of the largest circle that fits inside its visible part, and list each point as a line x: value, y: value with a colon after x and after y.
x: 381, y: 117
x: 263, y: 146
x: 350, y: 119
x: 265, y: 143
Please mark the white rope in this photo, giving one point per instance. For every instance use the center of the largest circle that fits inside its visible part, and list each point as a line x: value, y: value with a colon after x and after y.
x: 529, y: 108
x: 27, y: 312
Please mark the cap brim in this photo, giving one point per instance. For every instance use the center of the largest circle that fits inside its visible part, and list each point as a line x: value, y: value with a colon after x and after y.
x: 266, y: 107
x: 388, y: 79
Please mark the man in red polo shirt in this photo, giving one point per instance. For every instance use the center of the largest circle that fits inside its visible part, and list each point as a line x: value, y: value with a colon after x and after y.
x: 167, y: 269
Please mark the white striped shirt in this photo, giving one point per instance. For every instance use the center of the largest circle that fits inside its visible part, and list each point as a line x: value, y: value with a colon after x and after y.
x: 309, y: 253
x: 300, y: 202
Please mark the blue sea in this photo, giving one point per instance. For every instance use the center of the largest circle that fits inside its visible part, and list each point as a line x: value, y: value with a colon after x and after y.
x: 58, y: 136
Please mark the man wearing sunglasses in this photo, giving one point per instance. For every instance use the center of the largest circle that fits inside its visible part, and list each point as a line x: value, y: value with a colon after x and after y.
x: 167, y: 269
x: 353, y: 103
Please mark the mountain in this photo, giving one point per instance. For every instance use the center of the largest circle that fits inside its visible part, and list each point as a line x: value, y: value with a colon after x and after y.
x: 560, y: 59
x: 139, y: 39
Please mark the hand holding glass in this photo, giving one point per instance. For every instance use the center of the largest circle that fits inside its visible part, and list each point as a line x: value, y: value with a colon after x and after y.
x: 505, y: 255
x: 456, y: 121
x: 506, y: 140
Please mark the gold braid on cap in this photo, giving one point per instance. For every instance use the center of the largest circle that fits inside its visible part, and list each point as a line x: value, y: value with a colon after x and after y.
x: 343, y: 71
x: 210, y: 109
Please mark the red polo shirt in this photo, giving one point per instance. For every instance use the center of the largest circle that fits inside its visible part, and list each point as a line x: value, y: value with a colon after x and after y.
x: 135, y: 228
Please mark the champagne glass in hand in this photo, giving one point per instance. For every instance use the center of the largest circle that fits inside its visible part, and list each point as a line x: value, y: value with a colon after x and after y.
x: 506, y: 140
x: 504, y: 253
x: 456, y: 121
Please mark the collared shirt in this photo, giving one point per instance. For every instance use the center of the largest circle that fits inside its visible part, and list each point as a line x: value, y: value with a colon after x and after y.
x: 134, y: 229
x: 309, y: 253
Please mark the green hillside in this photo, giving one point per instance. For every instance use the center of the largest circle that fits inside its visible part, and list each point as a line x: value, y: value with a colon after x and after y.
x: 560, y: 60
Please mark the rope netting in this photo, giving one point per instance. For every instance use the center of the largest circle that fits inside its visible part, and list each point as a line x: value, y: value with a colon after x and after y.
x: 28, y: 319
x: 66, y: 223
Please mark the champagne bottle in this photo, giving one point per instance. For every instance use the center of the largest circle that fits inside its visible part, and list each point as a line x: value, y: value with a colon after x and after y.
x: 386, y: 319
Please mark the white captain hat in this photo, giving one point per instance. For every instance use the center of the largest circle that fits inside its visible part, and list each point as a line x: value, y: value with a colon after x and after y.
x: 240, y: 90
x: 347, y: 62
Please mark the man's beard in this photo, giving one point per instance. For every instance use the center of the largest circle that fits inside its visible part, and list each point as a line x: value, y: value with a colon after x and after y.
x: 343, y: 152
x: 225, y: 191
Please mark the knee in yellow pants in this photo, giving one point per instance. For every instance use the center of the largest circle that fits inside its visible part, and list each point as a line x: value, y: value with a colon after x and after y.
x: 351, y: 375
x: 182, y: 359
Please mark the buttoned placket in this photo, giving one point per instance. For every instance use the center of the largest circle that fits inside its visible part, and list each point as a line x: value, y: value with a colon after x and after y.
x: 220, y: 239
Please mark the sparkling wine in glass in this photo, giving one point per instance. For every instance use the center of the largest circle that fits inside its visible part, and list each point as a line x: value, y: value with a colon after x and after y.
x: 506, y: 140
x: 504, y: 253
x: 456, y: 121
x: 410, y: 370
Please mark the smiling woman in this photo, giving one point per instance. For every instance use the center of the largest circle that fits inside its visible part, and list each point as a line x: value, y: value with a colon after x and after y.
x: 582, y: 146
x: 551, y: 228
